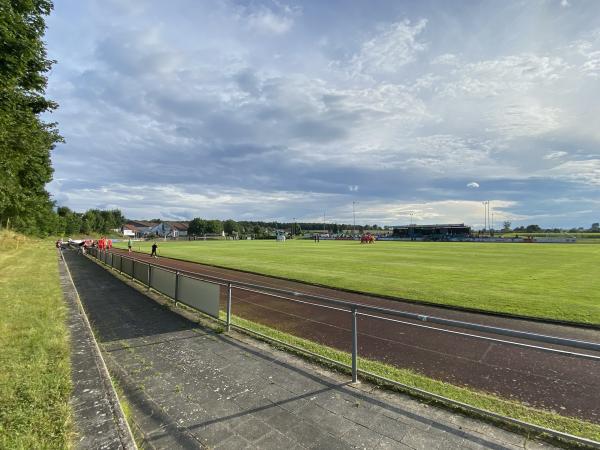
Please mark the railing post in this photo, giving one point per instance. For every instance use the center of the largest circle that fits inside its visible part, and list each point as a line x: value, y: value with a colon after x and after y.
x: 149, y: 275
x: 228, y: 307
x: 354, y: 346
x: 176, y: 284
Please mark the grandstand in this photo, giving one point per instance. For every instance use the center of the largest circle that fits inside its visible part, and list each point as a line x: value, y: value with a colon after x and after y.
x: 438, y: 232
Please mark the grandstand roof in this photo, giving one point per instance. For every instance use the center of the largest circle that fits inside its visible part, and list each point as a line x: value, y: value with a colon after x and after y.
x: 439, y: 225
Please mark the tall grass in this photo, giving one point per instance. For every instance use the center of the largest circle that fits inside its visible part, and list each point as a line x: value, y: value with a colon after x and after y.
x: 35, y: 382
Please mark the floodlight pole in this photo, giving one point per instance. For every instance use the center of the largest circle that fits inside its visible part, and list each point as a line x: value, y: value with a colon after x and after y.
x: 484, y: 216
x: 354, y: 219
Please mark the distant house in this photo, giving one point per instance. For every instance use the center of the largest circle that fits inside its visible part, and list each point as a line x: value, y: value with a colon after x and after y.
x: 170, y: 229
x: 128, y: 231
x: 142, y: 228
x: 176, y: 229
x: 137, y: 228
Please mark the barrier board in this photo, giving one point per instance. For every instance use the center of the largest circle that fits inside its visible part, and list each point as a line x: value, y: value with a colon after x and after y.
x: 127, y: 267
x: 140, y: 271
x: 163, y: 281
x: 199, y: 294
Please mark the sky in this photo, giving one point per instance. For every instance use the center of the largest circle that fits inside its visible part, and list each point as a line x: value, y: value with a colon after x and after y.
x: 387, y: 111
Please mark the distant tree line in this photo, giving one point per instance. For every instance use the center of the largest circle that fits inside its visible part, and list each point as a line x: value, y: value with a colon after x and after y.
x: 595, y: 228
x: 92, y: 221
x: 264, y: 230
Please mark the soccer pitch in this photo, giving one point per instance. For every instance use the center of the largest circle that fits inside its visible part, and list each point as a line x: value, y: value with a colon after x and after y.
x: 556, y: 281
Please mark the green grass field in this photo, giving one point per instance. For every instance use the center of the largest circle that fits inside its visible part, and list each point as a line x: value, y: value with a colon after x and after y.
x: 555, y: 281
x: 35, y: 375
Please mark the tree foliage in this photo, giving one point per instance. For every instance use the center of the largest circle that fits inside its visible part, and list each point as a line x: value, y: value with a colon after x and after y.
x: 72, y: 223
x: 25, y: 140
x: 197, y: 227
x: 230, y: 227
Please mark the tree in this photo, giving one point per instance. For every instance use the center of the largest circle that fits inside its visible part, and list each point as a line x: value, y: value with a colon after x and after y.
x: 506, y: 226
x: 73, y: 224
x: 230, y: 227
x: 197, y: 227
x: 63, y: 211
x: 25, y: 140
x: 214, y: 227
x: 595, y: 227
x: 533, y: 229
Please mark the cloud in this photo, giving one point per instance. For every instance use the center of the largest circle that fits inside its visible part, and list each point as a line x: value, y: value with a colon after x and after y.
x: 555, y: 155
x: 265, y: 20
x: 449, y: 59
x: 523, y: 119
x: 473, y: 185
x: 582, y: 171
x: 395, y: 46
x: 509, y: 74
x: 447, y: 211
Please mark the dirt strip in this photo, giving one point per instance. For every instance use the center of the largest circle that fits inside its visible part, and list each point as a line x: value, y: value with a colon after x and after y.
x: 566, y: 384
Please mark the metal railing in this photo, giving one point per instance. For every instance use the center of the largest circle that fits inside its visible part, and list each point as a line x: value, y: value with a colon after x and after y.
x: 373, y: 312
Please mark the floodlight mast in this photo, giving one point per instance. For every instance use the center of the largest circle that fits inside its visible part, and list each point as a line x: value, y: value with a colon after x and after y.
x: 485, y: 215
x: 353, y: 218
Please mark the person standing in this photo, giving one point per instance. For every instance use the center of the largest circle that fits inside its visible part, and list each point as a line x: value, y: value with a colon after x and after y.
x: 154, y: 247
x: 129, y: 245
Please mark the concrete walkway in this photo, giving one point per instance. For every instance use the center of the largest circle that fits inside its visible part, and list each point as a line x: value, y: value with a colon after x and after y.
x: 189, y: 387
x: 99, y: 421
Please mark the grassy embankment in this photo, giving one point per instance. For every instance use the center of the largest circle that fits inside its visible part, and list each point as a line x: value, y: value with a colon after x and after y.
x: 554, y: 281
x: 35, y: 376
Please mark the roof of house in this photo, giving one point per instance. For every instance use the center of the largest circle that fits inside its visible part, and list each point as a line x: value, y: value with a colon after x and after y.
x: 138, y: 224
x: 180, y: 226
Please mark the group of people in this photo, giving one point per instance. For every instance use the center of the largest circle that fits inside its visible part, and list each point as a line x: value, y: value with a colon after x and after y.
x: 104, y: 244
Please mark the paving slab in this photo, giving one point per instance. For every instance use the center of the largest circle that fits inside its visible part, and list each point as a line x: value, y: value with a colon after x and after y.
x: 190, y: 387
